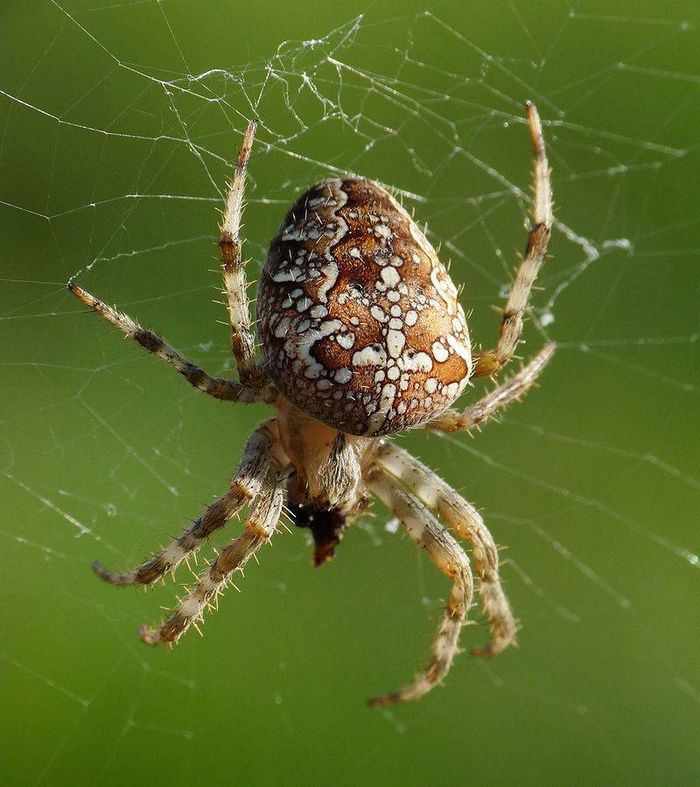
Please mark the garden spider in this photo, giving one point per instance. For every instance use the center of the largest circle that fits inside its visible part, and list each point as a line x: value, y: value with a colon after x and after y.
x: 362, y: 337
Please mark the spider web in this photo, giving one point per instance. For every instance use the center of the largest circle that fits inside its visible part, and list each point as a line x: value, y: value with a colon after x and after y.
x: 119, y: 123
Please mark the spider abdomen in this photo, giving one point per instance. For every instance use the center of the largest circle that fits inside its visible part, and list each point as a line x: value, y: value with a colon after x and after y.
x: 360, y: 322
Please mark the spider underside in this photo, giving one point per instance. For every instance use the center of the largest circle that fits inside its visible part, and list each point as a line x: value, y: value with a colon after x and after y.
x: 326, y: 451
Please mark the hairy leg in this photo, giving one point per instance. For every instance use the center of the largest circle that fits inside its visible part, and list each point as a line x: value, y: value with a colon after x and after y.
x: 466, y: 521
x: 509, y: 391
x: 245, y: 485
x: 492, y: 361
x: 450, y: 558
x: 263, y: 516
x: 230, y: 254
x: 217, y: 387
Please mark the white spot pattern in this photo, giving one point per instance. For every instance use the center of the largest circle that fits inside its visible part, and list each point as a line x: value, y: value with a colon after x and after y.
x: 360, y: 321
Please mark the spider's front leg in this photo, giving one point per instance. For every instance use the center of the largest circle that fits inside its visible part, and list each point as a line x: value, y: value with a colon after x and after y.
x: 245, y: 486
x: 262, y: 520
x: 450, y: 558
x: 491, y: 362
x: 466, y: 521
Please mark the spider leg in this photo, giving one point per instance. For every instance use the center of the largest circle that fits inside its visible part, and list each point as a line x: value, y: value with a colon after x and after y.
x: 263, y: 516
x: 246, y: 484
x: 491, y: 361
x: 218, y: 387
x: 466, y: 521
x: 230, y: 248
x: 508, y: 391
x: 450, y: 558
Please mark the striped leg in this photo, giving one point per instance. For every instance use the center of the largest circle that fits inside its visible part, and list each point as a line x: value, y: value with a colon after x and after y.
x: 466, y: 521
x: 450, y: 558
x: 491, y: 361
x: 217, y: 387
x: 245, y: 485
x: 262, y: 520
x: 230, y: 248
x: 498, y: 399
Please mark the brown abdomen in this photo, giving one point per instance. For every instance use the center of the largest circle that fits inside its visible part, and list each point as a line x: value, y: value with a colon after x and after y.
x: 360, y: 323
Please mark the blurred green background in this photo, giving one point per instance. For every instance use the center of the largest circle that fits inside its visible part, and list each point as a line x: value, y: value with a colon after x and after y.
x: 117, y: 123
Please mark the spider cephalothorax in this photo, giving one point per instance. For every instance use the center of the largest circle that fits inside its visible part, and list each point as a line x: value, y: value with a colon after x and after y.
x: 362, y: 337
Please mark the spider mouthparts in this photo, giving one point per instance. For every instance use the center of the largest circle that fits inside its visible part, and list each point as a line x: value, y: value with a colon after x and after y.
x: 326, y: 527
x: 324, y: 552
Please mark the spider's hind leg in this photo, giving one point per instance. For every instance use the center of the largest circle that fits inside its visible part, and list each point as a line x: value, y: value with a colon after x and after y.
x: 219, y: 388
x: 233, y: 266
x: 498, y: 399
x: 490, y: 362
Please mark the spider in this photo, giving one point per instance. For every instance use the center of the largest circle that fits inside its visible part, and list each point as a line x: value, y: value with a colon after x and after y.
x: 362, y: 337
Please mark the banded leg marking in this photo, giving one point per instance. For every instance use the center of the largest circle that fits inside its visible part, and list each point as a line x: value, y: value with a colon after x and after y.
x: 218, y: 387
x: 490, y: 362
x: 509, y: 391
x: 245, y: 485
x: 466, y: 521
x: 262, y: 520
x: 450, y: 558
x: 235, y: 283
